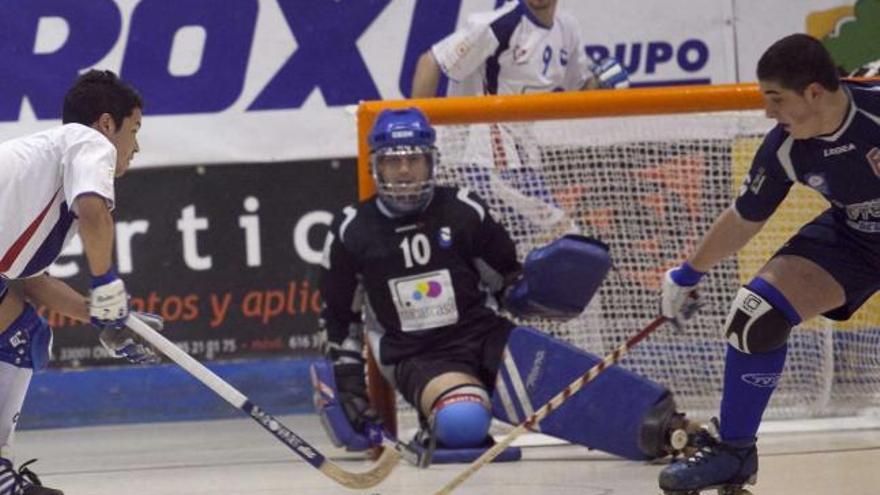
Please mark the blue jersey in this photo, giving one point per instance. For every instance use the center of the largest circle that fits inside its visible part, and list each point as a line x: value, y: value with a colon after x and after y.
x: 843, y: 166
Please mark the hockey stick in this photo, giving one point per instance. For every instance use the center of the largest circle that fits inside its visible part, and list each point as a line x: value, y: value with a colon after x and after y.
x: 374, y: 476
x: 551, y: 406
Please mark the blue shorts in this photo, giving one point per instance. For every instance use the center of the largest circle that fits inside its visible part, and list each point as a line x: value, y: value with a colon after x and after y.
x: 850, y: 258
x: 27, y: 343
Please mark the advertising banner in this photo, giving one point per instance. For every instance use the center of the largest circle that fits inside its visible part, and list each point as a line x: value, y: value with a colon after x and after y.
x: 227, y: 255
x: 273, y: 80
x: 850, y: 29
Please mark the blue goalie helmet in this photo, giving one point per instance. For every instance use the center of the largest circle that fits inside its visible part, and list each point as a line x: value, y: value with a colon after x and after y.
x: 402, y: 160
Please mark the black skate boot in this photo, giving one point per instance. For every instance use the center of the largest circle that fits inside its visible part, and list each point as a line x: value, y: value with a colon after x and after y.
x: 715, y: 465
x: 23, y: 482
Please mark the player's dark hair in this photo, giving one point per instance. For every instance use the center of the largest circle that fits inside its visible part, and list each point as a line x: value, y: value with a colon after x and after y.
x: 97, y: 92
x: 796, y: 61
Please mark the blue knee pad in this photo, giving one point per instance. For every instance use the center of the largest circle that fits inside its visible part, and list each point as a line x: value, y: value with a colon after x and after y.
x: 462, y: 419
x: 27, y: 343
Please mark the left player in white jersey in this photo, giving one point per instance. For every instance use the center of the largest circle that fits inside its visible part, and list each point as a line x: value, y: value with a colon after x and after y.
x: 53, y: 184
x: 525, y: 46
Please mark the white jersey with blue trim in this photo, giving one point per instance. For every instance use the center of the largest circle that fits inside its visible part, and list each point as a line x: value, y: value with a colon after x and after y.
x: 843, y: 166
x: 508, y: 51
x: 41, y: 175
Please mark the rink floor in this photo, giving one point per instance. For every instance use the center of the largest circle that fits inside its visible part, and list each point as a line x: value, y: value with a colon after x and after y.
x: 237, y: 457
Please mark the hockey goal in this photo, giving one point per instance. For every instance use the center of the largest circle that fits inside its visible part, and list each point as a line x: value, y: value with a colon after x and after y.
x: 646, y: 171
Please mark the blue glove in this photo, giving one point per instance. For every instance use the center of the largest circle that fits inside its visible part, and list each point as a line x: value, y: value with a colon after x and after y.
x: 108, y: 301
x: 608, y: 73
x: 124, y: 343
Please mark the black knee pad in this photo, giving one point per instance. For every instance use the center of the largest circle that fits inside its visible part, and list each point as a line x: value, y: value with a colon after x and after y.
x: 754, y: 325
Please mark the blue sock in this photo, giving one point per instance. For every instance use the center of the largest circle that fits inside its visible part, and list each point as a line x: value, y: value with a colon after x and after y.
x: 750, y: 379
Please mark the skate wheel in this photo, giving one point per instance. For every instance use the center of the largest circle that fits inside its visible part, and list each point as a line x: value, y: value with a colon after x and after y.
x: 678, y: 440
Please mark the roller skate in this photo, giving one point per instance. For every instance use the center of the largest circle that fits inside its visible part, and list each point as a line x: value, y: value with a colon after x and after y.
x: 23, y: 482
x: 714, y: 465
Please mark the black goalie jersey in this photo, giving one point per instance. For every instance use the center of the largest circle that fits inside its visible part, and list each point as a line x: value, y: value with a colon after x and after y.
x: 427, y: 279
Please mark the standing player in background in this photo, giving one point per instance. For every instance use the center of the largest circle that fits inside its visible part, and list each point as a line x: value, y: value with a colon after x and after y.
x: 526, y: 46
x: 828, y: 138
x: 428, y: 268
x: 53, y: 184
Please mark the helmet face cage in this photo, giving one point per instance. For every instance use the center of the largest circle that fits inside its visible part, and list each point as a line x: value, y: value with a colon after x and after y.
x: 404, y: 197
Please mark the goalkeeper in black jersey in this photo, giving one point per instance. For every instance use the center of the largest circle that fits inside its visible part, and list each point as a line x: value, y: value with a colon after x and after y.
x: 426, y: 269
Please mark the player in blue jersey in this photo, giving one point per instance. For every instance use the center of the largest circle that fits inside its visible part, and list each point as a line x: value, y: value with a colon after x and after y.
x: 53, y: 184
x: 827, y: 137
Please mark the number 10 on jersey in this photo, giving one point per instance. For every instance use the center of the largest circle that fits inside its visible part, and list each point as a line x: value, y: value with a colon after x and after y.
x: 416, y: 249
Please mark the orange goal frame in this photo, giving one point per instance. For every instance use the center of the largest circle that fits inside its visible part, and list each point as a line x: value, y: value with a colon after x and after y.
x: 532, y: 107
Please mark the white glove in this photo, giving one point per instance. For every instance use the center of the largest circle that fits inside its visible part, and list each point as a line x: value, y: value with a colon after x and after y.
x: 124, y: 343
x: 108, y: 301
x: 608, y: 73
x: 678, y: 301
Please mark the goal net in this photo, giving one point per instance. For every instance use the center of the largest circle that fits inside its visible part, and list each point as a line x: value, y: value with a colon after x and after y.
x: 649, y: 183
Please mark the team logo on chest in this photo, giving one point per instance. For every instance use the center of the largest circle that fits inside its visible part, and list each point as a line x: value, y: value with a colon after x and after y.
x: 444, y: 237
x: 873, y: 158
x: 817, y: 182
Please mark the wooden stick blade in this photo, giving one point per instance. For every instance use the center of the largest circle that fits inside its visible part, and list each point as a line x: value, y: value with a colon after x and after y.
x: 367, y: 479
x: 484, y: 459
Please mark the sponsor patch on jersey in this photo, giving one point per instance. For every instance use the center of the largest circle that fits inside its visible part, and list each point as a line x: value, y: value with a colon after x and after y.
x: 865, y: 216
x: 762, y: 380
x: 444, y: 237
x: 424, y: 301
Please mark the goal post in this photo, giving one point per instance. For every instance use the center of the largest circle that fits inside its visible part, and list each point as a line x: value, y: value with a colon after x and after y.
x: 547, y: 106
x: 647, y: 171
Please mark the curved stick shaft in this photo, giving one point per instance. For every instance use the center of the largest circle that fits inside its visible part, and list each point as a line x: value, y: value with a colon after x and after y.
x: 372, y: 477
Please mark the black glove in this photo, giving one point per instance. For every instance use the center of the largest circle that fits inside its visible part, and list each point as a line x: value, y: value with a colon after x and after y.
x: 351, y: 386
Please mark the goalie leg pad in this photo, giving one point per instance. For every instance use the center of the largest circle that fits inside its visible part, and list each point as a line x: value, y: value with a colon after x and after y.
x: 330, y: 410
x: 27, y: 343
x: 760, y: 318
x: 461, y: 417
x: 559, y: 279
x: 608, y: 414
